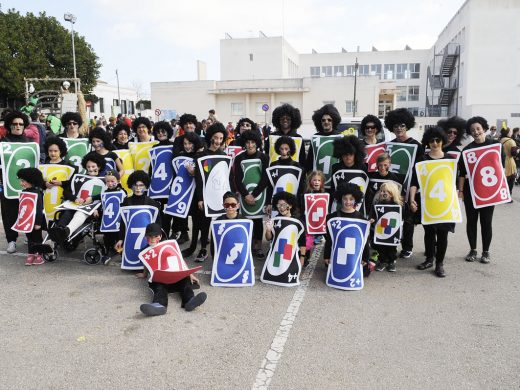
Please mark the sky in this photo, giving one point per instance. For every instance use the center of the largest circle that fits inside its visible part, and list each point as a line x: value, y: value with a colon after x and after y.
x: 155, y: 40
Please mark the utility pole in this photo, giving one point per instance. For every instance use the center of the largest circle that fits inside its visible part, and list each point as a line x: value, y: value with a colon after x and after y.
x: 354, y: 104
x: 118, y: 93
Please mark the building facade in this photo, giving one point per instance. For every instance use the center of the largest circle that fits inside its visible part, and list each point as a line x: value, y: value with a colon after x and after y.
x: 108, y: 103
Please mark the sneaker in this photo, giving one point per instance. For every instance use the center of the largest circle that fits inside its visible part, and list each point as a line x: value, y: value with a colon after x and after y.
x: 202, y: 256
x: 318, y: 240
x: 439, y: 270
x: 38, y: 259
x: 471, y: 256
x: 196, y: 301
x: 11, y: 247
x: 29, y: 260
x: 391, y: 267
x: 428, y: 263
x: 153, y: 309
x: 405, y: 254
x: 380, y: 266
x: 485, y: 259
x: 183, y: 238
x: 106, y: 259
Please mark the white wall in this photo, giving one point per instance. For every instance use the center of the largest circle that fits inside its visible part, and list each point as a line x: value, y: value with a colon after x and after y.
x: 109, y: 92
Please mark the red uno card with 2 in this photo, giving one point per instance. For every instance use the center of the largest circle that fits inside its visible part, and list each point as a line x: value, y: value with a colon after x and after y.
x: 487, y: 179
x: 26, y: 212
x: 372, y: 152
x: 316, y: 208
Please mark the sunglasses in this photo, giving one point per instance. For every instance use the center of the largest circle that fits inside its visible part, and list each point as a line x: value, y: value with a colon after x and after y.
x: 436, y: 140
x: 72, y: 123
x: 230, y: 205
x: 370, y: 127
x: 400, y: 126
x: 449, y: 132
x: 17, y: 124
x: 326, y: 120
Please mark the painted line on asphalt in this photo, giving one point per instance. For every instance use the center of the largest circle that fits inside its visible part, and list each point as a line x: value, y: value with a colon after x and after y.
x: 274, y: 354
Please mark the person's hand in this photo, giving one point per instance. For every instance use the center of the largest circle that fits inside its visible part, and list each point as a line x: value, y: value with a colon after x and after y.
x: 37, y: 227
x: 250, y: 200
x: 268, y: 209
x: 95, y: 214
x: 88, y: 200
x: 413, y: 206
x: 194, y: 279
x: 79, y: 201
x: 201, y: 205
x: 371, y: 220
x: 55, y: 182
x: 119, y: 246
x: 326, y: 261
x: 460, y: 195
x: 269, y: 224
x: 190, y: 167
x: 49, y: 184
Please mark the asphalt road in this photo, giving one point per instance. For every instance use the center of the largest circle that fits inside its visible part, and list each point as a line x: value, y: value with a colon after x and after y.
x: 66, y: 325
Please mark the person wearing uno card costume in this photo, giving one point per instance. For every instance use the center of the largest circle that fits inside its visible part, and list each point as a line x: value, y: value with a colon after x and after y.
x: 243, y: 125
x: 369, y: 129
x: 350, y: 151
x: 476, y: 127
x: 159, y: 305
x: 143, y: 129
x: 375, y: 179
x: 252, y: 142
x: 121, y: 136
x: 31, y: 180
x: 102, y: 145
x: 15, y: 123
x: 399, y: 121
x: 455, y: 128
x: 510, y: 164
x: 71, y: 122
x: 315, y: 184
x: 435, y: 235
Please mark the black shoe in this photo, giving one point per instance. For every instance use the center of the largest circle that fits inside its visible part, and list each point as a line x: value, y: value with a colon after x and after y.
x: 405, y: 254
x: 428, y: 263
x: 439, y: 270
x: 391, y: 267
x: 202, y: 256
x: 187, y: 252
x: 197, y: 300
x: 380, y: 266
x: 471, y: 256
x: 305, y: 263
x: 183, y: 238
x: 153, y: 309
x: 485, y: 259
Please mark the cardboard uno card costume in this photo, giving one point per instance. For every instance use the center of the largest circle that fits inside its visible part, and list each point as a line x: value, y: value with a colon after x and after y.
x: 316, y: 209
x: 372, y: 152
x: 111, y: 205
x: 323, y: 150
x: 182, y: 188
x: 354, y: 176
x: 140, y: 152
x: 403, y: 158
x: 389, y: 224
x: 233, y: 261
x: 349, y: 237
x: 16, y: 155
x: 128, y: 167
x: 52, y: 196
x: 252, y: 169
x: 77, y: 148
x: 215, y: 180
x: 26, y: 212
x: 282, y: 266
x: 162, y: 172
x: 273, y: 156
x: 84, y: 186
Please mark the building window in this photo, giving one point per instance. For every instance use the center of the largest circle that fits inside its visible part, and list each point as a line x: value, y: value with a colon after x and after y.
x: 259, y: 110
x: 414, y: 110
x: 350, y: 70
x: 401, y: 93
x: 327, y: 71
x: 375, y: 70
x: 415, y: 70
x: 115, y: 103
x: 237, y: 109
x: 339, y: 71
x: 131, y: 107
x: 389, y: 71
x: 124, y: 107
x: 101, y: 105
x: 413, y: 93
x: 401, y: 71
x: 349, y: 106
x: 315, y: 71
x: 363, y: 70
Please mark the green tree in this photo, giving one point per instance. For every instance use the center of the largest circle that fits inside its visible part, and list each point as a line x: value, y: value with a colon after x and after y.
x: 39, y: 46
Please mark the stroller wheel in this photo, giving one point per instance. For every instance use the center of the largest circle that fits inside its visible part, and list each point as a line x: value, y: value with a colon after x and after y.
x: 92, y: 256
x: 50, y: 257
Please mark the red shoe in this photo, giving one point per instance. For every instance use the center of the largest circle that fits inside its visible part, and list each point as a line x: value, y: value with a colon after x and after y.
x: 30, y: 259
x: 38, y: 259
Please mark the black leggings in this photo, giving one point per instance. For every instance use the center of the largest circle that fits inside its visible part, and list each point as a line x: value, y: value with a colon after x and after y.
x: 33, y: 238
x: 436, y: 242
x: 486, y: 222
x: 9, y: 216
x: 161, y: 291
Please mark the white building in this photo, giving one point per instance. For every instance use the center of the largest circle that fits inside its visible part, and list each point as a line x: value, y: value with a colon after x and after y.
x: 108, y: 103
x: 472, y: 69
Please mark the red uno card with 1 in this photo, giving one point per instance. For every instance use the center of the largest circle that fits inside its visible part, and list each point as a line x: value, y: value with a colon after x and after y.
x: 26, y: 212
x: 316, y: 208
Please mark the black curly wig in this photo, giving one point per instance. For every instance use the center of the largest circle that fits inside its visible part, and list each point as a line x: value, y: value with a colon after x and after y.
x: 141, y: 121
x: 136, y: 176
x: 287, y: 197
x: 370, y: 119
x: 185, y: 118
x: 434, y: 132
x: 120, y: 127
x: 100, y: 133
x: 455, y: 122
x: 327, y: 109
x: 58, y: 141
x: 32, y: 176
x: 9, y: 118
x: 476, y: 119
x: 346, y: 188
x: 287, y: 109
x: 216, y: 127
x: 349, y: 144
x: 251, y: 135
x: 71, y: 116
x: 398, y: 116
x: 285, y: 140
x: 194, y: 139
x: 241, y: 121
x: 162, y: 125
x: 96, y: 158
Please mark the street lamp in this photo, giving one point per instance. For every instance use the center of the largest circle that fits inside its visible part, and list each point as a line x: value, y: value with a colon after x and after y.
x: 72, y: 19
x: 354, y: 105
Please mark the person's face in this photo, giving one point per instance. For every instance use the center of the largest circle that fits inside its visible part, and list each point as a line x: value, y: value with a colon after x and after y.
x: 25, y: 184
x: 111, y: 181
x: 285, y: 151
x: 348, y: 159
x: 316, y: 183
x: 92, y: 168
x: 326, y: 123
x: 17, y: 126
x: 162, y: 135
x: 217, y: 139
x: 142, y: 132
x: 245, y: 126
x: 452, y: 134
x: 189, y: 127
x: 284, y: 208
x: 153, y: 240
x: 188, y: 146
x: 285, y: 122
x: 209, y: 122
x: 231, y: 206
x: 435, y: 143
x: 72, y: 126
x: 383, y: 167
x: 477, y: 132
x: 97, y: 144
x: 139, y: 188
x: 384, y: 194
x: 348, y: 202
x: 400, y: 131
x: 370, y: 129
x: 493, y: 129
x: 250, y: 147
x: 122, y: 137
x: 53, y: 151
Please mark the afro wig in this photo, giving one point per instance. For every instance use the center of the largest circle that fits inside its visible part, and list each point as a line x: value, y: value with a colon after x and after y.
x: 214, y: 129
x: 327, y: 109
x: 9, y: 118
x: 194, y: 139
x: 71, y: 116
x: 286, y: 196
x: 96, y: 158
x: 349, y: 144
x: 399, y: 116
x: 142, y: 121
x: 102, y: 135
x: 455, y: 122
x: 434, y: 132
x: 476, y: 119
x: 32, y: 176
x: 287, y: 109
x: 251, y: 135
x: 346, y: 188
x: 285, y: 140
x: 162, y: 125
x: 119, y: 128
x: 136, y: 176
x: 245, y: 120
x: 370, y: 119
x: 185, y: 118
x: 58, y: 141
x: 230, y: 194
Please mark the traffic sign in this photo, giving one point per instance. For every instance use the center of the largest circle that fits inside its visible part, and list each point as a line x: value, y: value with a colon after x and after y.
x: 157, y: 112
x: 265, y: 107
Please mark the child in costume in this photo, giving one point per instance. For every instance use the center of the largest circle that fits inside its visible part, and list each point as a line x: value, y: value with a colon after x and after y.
x: 315, y: 184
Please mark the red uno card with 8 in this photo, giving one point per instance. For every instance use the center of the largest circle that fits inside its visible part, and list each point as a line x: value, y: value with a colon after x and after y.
x: 486, y: 176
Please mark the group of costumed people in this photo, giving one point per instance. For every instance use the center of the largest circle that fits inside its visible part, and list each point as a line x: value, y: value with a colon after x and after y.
x: 358, y: 194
